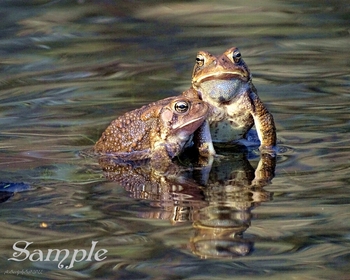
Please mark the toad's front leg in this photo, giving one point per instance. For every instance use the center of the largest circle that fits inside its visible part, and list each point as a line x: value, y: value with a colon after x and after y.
x: 203, y: 142
x: 264, y: 124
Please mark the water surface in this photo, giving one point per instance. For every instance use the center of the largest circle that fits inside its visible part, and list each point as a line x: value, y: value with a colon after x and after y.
x: 70, y: 67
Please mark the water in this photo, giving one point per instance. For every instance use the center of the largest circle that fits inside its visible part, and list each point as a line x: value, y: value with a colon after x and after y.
x: 69, y: 67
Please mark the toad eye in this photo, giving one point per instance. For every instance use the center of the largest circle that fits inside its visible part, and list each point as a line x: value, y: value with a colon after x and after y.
x: 181, y: 106
x: 200, y: 60
x: 236, y: 56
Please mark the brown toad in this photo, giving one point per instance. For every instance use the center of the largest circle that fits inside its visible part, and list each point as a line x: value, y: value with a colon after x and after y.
x: 159, y: 130
x: 226, y: 84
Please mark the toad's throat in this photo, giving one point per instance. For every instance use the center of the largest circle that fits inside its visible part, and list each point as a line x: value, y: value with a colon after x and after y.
x: 222, y: 90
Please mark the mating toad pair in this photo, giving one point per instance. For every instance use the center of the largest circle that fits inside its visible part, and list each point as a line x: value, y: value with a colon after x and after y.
x: 221, y: 107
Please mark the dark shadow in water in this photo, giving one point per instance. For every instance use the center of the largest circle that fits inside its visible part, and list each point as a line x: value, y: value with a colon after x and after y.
x: 217, y: 200
x: 7, y: 189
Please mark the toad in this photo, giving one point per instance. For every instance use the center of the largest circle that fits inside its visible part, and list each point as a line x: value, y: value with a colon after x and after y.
x: 225, y: 83
x: 160, y: 130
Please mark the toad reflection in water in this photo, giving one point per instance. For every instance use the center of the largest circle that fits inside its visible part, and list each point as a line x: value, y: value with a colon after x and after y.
x: 219, y: 207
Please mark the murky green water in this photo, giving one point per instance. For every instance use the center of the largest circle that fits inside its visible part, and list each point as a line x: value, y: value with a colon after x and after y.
x: 67, y: 68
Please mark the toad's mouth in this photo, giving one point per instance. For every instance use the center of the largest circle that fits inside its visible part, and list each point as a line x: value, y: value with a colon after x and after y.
x: 224, y: 75
x: 193, y: 123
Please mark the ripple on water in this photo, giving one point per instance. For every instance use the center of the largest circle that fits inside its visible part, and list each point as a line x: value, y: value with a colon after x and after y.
x: 70, y: 67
